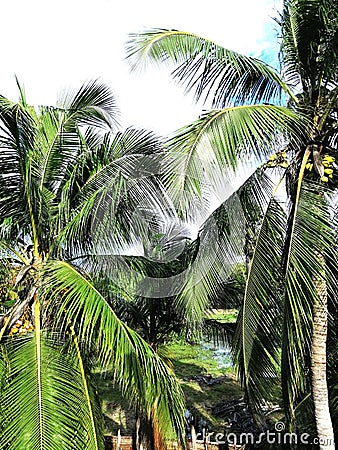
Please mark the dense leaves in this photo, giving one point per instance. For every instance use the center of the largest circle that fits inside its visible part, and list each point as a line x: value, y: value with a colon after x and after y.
x: 290, y: 244
x: 69, y: 185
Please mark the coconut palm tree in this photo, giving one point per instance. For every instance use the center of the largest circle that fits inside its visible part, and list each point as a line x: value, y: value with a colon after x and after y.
x: 285, y: 120
x: 66, y: 174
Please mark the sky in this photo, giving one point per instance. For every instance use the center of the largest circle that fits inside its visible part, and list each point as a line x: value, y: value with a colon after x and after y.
x: 53, y: 46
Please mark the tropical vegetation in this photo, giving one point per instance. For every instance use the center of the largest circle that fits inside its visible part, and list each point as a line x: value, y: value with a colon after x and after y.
x: 100, y: 260
x: 65, y: 172
x: 285, y: 120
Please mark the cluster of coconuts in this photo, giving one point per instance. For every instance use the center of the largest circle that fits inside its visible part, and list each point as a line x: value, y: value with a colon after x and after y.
x: 327, y: 163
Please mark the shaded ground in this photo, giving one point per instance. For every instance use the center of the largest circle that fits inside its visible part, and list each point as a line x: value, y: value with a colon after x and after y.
x: 204, y: 383
x: 214, y: 398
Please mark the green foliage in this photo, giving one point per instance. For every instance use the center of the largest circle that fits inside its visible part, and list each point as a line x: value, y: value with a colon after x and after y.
x: 42, y: 396
x: 64, y: 174
x: 288, y: 235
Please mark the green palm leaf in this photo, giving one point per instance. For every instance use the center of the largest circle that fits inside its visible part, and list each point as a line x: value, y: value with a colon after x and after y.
x: 224, y: 138
x: 59, y: 147
x: 310, y: 44
x: 141, y: 374
x: 207, y: 68
x: 257, y: 340
x: 220, y: 246
x: 93, y: 408
x: 132, y: 141
x: 43, y: 404
x: 92, y: 105
x: 17, y: 138
x: 113, y: 181
x: 310, y: 228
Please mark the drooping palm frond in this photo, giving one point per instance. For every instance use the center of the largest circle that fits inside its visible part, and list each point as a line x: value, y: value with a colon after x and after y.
x: 199, y: 283
x: 222, y: 242
x: 142, y: 376
x: 133, y: 140
x: 310, y: 242
x: 59, y: 147
x: 92, y: 105
x: 117, y: 208
x: 258, y: 335
x: 207, y: 68
x: 130, y: 152
x: 17, y: 138
x: 114, y: 182
x: 39, y: 151
x: 222, y: 139
x: 92, y: 407
x: 41, y: 396
x: 221, y: 246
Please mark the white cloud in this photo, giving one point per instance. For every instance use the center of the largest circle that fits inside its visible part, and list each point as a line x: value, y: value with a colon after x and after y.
x: 55, y: 45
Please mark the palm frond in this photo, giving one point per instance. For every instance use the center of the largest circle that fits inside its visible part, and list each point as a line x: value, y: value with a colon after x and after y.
x: 223, y: 138
x: 42, y: 401
x: 310, y: 239
x: 92, y: 105
x: 59, y: 147
x: 118, y: 206
x: 221, y: 246
x: 93, y: 408
x: 133, y: 140
x: 18, y: 131
x: 142, y: 376
x: 257, y: 340
x: 309, y: 45
x: 111, y: 184
x: 207, y: 68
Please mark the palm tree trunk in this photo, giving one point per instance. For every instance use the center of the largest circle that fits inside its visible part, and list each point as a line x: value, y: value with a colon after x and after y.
x: 318, y: 366
x: 147, y: 436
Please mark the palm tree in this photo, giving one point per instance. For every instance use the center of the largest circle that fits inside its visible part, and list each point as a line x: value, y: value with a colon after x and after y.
x: 287, y: 121
x: 65, y: 174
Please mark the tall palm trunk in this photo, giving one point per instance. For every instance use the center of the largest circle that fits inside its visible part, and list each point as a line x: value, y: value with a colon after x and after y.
x: 318, y: 366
